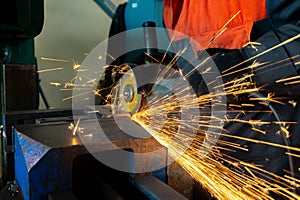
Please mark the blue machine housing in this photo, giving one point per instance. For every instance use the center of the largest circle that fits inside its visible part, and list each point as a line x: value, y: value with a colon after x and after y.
x: 139, y: 11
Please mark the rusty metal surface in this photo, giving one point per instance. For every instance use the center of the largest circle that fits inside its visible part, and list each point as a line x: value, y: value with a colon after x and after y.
x: 180, y: 180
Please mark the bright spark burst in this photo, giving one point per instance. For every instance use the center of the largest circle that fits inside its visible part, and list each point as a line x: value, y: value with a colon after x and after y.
x: 224, y: 177
x: 240, y: 181
x: 221, y: 181
x: 75, y: 128
x: 76, y: 66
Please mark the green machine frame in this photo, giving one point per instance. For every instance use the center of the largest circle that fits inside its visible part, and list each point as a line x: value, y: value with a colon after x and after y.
x: 20, y: 22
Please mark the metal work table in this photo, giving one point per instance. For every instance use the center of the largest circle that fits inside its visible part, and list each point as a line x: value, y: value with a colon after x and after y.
x: 44, y: 153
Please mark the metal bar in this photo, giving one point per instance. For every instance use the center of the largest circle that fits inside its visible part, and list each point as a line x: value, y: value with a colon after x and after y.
x: 154, y: 189
x: 107, y: 6
x: 111, y: 4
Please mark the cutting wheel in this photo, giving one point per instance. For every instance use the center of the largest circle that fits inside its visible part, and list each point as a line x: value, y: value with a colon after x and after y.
x: 127, y: 99
x: 140, y: 86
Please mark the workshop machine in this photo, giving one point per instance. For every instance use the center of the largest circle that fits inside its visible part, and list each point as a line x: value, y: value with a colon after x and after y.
x: 51, y: 163
x: 20, y: 22
x: 40, y: 158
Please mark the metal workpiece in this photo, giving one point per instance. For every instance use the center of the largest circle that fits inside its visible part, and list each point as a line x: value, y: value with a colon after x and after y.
x: 180, y: 180
x: 44, y: 154
x: 154, y: 189
x: 121, y: 133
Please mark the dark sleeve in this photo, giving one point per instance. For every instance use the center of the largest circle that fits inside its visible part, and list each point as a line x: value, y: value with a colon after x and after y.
x: 280, y: 63
x: 281, y: 12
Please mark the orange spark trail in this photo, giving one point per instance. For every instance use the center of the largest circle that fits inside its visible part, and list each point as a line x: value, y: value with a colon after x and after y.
x: 49, y: 70
x: 54, y: 59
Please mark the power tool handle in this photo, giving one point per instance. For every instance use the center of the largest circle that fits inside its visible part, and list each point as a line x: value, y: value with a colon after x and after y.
x: 150, y: 37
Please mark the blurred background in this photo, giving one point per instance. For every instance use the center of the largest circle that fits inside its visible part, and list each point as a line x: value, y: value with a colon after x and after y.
x: 72, y: 28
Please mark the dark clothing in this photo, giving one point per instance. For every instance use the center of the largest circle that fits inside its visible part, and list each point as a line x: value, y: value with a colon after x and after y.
x: 282, y: 23
x: 283, y: 12
x: 280, y: 63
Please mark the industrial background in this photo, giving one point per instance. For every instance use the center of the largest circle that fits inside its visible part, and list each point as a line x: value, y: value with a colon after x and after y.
x: 71, y: 30
x: 41, y: 159
x: 156, y: 114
